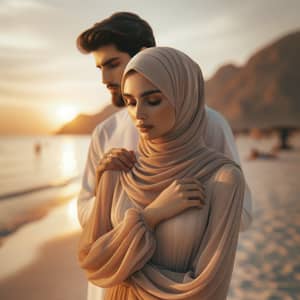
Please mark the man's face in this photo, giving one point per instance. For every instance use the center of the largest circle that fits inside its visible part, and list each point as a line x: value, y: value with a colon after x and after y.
x: 112, y: 63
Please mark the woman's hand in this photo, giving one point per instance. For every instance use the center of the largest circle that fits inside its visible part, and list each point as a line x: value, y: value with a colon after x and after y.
x: 177, y: 197
x: 118, y: 159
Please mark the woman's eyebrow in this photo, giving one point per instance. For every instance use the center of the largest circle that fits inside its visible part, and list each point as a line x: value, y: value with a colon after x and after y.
x: 147, y: 93
x: 144, y: 94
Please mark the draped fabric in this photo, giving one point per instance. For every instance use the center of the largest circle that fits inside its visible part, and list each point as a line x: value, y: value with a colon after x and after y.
x: 181, y: 152
x: 189, y: 256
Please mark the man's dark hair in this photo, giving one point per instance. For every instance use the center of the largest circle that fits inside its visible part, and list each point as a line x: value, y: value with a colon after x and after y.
x: 127, y: 31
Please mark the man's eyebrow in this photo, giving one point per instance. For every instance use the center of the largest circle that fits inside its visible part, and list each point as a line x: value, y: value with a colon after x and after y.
x: 144, y: 94
x: 113, y: 59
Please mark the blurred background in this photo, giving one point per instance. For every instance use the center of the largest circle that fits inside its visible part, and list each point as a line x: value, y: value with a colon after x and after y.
x: 51, y: 98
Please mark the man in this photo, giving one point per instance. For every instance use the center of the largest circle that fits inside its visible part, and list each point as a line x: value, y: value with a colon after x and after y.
x: 113, y: 42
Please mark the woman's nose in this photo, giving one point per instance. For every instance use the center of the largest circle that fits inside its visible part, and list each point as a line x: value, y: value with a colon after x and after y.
x: 140, y: 112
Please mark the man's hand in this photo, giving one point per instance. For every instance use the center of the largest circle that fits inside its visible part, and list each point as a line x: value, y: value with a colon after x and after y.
x: 118, y: 159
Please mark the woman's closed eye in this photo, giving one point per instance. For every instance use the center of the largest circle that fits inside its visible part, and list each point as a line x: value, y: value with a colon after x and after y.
x: 153, y: 101
x: 150, y: 101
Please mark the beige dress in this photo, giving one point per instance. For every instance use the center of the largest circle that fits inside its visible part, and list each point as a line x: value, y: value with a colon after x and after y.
x: 188, y: 257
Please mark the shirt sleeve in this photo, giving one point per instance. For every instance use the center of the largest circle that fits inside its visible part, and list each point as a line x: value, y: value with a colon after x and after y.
x: 110, y: 255
x: 209, y: 274
x: 219, y: 136
x: 86, y: 195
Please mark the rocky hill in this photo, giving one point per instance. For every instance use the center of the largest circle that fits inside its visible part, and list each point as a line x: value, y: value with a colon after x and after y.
x: 85, y: 124
x: 265, y: 92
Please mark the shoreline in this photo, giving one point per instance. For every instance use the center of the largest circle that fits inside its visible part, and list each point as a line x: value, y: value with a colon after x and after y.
x: 35, y: 213
x: 25, y: 244
x: 30, y: 190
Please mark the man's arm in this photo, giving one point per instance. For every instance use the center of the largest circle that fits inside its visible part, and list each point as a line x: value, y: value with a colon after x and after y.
x: 103, y: 155
x: 219, y: 136
x: 86, y: 196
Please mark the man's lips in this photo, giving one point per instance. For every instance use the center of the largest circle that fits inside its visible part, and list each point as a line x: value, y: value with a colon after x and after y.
x: 112, y: 87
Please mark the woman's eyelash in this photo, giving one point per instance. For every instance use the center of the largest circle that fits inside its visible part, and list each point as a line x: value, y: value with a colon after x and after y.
x: 150, y: 102
x: 156, y: 102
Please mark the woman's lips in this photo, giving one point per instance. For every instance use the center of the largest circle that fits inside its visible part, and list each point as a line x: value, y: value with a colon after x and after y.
x: 144, y: 128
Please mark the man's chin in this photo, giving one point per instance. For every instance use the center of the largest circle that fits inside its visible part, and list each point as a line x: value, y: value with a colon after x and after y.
x: 117, y: 100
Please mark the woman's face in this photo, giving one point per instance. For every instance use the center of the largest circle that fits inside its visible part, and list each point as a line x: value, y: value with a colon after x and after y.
x: 149, y: 109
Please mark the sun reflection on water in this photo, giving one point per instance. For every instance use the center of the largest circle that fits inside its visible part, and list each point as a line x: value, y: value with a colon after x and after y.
x: 72, y: 214
x: 68, y: 163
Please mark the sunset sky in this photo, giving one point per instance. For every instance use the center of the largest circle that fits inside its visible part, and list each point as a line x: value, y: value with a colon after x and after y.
x: 44, y: 80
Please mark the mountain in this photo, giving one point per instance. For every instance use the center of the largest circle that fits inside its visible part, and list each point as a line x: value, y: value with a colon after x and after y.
x: 263, y: 93
x: 85, y: 124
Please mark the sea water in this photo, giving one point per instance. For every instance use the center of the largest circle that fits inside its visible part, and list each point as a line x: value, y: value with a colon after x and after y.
x: 35, y: 170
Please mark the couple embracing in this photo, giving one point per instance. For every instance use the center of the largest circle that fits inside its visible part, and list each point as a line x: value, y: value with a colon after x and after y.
x: 163, y: 196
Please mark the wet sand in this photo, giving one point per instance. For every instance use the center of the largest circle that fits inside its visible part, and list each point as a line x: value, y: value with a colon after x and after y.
x: 39, y: 261
x: 53, y: 275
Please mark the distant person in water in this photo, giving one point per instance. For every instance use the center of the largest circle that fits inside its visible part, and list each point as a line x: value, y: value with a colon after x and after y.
x: 37, y: 148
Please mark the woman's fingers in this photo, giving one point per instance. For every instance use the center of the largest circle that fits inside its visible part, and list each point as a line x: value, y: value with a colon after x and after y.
x: 119, y: 165
x: 193, y: 186
x: 128, y: 155
x: 133, y: 157
x: 194, y: 192
x: 112, y: 163
x: 194, y: 203
x: 194, y: 195
x: 190, y: 180
x: 117, y: 159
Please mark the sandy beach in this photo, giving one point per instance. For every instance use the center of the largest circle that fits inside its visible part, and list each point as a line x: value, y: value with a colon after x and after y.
x: 53, y: 275
x: 38, y: 261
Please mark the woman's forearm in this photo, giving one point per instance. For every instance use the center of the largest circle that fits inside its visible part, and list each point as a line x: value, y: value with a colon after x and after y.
x: 151, y: 217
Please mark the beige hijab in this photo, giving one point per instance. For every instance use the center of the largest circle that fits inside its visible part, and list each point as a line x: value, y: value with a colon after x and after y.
x: 119, y: 258
x: 182, y: 151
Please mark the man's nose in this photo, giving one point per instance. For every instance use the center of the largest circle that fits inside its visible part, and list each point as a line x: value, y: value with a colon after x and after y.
x: 106, y: 77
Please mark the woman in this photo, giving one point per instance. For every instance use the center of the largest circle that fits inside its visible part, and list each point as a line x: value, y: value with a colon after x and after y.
x: 150, y: 235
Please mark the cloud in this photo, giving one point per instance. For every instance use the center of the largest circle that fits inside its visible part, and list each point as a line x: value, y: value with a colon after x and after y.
x: 39, y: 61
x: 13, y: 7
x: 22, y: 40
x: 19, y: 32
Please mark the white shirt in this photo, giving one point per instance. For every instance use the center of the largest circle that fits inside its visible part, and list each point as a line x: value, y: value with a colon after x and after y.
x: 118, y: 131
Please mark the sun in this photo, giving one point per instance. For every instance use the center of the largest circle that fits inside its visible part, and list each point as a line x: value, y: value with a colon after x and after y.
x: 66, y: 113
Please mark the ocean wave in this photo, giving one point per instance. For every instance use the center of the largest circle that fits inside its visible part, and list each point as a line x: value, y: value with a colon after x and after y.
x: 50, y: 185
